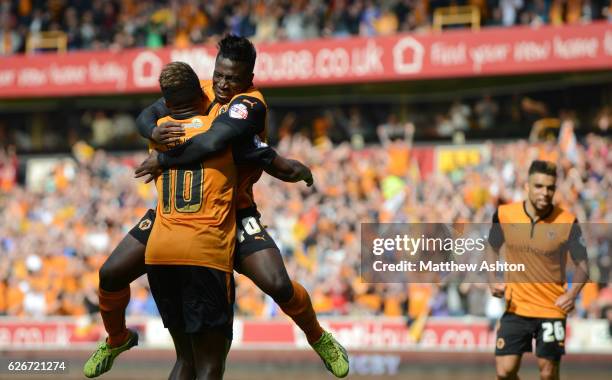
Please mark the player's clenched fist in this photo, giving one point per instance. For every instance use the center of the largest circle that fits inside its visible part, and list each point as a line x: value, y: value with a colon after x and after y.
x: 303, y: 172
x: 566, y: 302
x: 497, y: 289
x: 168, y: 133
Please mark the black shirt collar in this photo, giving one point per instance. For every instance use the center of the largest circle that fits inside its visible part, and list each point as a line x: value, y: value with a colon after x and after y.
x: 543, y: 217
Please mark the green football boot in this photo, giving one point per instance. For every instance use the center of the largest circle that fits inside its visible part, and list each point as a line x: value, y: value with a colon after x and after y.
x: 333, y: 355
x: 102, y: 359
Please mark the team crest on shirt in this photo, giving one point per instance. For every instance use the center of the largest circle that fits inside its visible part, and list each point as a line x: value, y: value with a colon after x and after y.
x: 238, y: 111
x: 196, y: 123
x: 145, y: 224
x: 551, y: 234
x: 501, y: 343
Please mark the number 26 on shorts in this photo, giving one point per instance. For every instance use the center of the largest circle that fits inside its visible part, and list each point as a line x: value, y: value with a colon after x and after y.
x: 553, y: 331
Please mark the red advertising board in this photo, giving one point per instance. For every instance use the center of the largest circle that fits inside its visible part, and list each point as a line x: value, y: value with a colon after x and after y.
x: 63, y: 332
x: 439, y: 334
x: 18, y: 334
x: 492, y: 51
x: 375, y: 334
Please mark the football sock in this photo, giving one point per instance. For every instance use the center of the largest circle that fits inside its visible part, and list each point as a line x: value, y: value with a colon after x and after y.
x: 299, y: 308
x: 112, y: 309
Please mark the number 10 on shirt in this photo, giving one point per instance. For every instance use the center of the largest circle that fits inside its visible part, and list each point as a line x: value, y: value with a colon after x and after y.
x: 187, y: 192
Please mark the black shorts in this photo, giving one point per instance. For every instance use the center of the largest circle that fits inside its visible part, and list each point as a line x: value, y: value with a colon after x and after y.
x: 516, y: 333
x: 192, y: 298
x: 142, y: 229
x: 251, y: 235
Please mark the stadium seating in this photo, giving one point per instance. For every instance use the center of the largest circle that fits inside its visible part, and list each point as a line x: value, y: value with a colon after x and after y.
x: 81, y: 209
x: 119, y: 24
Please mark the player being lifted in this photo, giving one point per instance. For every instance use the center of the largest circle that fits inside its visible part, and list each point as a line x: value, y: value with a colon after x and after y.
x: 241, y: 112
x: 538, y: 234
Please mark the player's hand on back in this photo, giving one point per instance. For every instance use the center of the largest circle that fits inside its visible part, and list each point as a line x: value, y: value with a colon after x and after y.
x: 168, y: 133
x: 149, y: 168
x: 566, y: 301
x: 497, y: 289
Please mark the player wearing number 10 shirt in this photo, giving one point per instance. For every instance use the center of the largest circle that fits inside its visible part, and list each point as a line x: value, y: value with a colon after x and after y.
x: 539, y: 235
x: 239, y: 113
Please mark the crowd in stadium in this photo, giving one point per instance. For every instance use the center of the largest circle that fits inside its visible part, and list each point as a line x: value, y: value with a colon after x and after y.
x: 55, y: 235
x: 117, y: 24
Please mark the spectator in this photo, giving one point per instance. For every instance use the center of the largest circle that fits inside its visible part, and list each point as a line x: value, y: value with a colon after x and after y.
x: 102, y: 129
x: 8, y: 168
x: 387, y: 23
x: 603, y: 121
x: 293, y: 23
x: 266, y: 22
x: 459, y: 114
x: 486, y: 111
x: 87, y: 30
x: 341, y: 23
x: 10, y: 40
x: 509, y: 11
x: 369, y: 19
x: 394, y: 130
x: 444, y: 127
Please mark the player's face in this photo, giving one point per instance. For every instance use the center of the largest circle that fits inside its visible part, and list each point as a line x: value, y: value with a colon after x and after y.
x: 230, y: 78
x: 541, y: 189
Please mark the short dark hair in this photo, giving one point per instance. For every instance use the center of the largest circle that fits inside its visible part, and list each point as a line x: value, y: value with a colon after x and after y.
x: 238, y: 49
x: 179, y: 83
x: 543, y: 167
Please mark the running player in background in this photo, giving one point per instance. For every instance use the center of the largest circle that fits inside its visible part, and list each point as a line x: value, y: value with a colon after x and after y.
x: 538, y: 234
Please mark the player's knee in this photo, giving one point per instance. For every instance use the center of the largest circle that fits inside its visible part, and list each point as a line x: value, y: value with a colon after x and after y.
x: 280, y: 288
x: 185, y: 363
x: 184, y: 356
x: 106, y: 276
x: 210, y: 371
x: 110, y: 277
x: 548, y: 372
x: 185, y: 360
x: 506, y: 373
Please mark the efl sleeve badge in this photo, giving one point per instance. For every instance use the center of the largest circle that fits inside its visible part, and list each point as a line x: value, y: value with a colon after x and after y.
x: 238, y: 111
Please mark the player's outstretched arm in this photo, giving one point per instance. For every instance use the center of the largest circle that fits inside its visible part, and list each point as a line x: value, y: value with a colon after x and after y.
x: 253, y: 151
x: 166, y: 133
